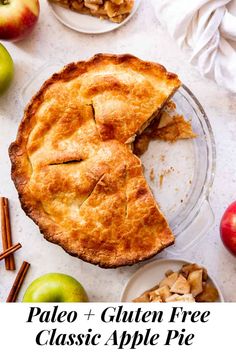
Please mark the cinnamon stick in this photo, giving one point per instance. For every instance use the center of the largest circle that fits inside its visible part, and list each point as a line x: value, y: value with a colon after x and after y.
x: 6, y: 233
x: 10, y: 251
x: 18, y: 282
x: 3, y: 230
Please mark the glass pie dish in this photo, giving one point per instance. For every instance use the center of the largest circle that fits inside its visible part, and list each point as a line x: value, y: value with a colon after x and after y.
x: 184, y: 173
x: 180, y: 174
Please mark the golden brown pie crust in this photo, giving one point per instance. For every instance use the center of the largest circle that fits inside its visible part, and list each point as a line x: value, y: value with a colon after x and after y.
x: 72, y: 163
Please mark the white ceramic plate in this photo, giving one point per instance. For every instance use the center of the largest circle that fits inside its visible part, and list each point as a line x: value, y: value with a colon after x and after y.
x: 151, y: 274
x: 87, y: 24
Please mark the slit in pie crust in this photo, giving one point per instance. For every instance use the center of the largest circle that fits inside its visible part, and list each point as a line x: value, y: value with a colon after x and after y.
x: 73, y: 165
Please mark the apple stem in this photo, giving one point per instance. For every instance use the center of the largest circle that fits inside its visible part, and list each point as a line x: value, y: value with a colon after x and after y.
x: 4, y: 2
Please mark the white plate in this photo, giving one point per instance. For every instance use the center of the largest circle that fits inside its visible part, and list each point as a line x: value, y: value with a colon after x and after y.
x: 85, y: 23
x: 151, y: 274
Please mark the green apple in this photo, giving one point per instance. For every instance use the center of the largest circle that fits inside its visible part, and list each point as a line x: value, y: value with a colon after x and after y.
x: 6, y: 69
x: 55, y: 287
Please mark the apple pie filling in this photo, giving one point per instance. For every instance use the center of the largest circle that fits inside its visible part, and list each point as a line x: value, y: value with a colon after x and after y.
x: 114, y: 10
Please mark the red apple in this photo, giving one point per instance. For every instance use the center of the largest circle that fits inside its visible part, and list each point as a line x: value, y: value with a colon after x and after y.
x: 17, y: 18
x: 228, y: 228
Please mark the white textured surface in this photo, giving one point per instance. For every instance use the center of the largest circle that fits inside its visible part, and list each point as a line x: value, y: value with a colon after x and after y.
x: 142, y: 36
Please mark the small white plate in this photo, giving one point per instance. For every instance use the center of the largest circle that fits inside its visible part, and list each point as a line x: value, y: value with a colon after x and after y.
x: 85, y: 23
x: 151, y: 274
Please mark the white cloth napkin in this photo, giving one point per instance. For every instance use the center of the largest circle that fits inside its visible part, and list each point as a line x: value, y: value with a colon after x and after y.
x: 207, y: 29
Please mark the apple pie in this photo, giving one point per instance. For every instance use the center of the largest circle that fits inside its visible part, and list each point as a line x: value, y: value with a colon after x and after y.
x: 113, y: 10
x: 73, y: 164
x: 190, y: 284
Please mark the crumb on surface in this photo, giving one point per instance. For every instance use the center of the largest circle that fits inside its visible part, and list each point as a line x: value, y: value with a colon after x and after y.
x: 152, y: 174
x: 162, y: 158
x: 161, y: 177
x: 164, y: 173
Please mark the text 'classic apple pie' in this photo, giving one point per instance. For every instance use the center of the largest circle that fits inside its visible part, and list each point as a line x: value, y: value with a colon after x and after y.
x: 73, y: 165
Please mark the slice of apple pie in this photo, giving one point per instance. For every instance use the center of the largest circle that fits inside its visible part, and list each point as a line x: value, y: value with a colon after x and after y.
x: 113, y: 10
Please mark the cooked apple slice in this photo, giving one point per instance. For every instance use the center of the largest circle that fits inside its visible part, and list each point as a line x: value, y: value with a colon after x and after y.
x: 168, y: 272
x: 143, y: 298
x: 182, y: 298
x: 189, y: 268
x: 163, y: 292
x: 155, y: 297
x: 181, y: 286
x: 209, y: 293
x: 172, y: 298
x: 195, y: 282
x: 170, y: 280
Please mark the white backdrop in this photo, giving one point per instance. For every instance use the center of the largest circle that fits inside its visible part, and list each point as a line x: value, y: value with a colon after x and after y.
x: 217, y: 335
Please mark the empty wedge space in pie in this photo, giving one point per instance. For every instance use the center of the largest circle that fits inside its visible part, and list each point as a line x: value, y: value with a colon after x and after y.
x: 113, y: 10
x: 73, y: 164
